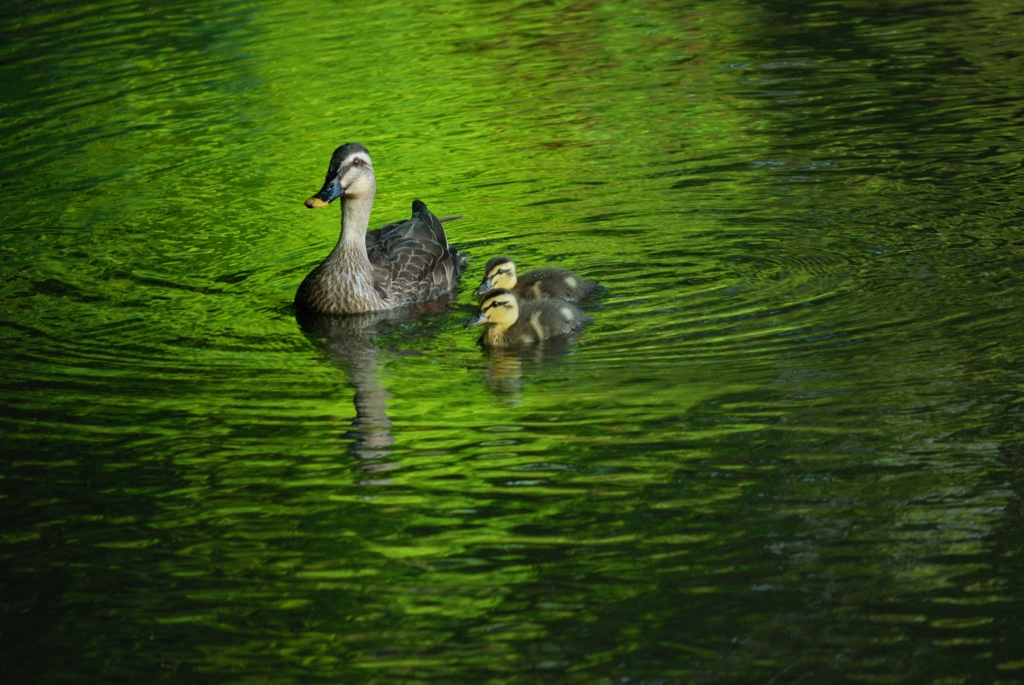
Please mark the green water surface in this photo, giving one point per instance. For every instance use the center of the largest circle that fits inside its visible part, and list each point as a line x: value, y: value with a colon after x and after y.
x: 787, y: 450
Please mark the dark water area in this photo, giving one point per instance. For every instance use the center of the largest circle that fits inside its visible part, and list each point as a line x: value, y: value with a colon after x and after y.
x: 787, y: 449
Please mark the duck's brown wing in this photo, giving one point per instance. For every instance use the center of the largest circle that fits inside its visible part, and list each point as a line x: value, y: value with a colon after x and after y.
x: 419, y: 263
x: 373, y: 236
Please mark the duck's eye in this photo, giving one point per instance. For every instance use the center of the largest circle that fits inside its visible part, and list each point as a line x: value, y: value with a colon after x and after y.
x: 357, y: 162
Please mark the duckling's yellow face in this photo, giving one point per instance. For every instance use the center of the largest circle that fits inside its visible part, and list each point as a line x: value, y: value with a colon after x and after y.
x: 499, y: 309
x: 503, y: 276
x: 500, y: 275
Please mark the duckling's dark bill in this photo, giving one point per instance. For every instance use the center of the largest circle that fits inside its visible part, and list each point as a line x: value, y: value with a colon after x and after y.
x: 477, y: 320
x: 484, y: 287
x: 329, y: 193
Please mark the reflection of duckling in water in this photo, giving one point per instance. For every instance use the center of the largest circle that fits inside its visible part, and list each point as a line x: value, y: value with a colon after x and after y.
x: 511, y: 323
x: 509, y: 366
x: 504, y: 375
x: 536, y: 284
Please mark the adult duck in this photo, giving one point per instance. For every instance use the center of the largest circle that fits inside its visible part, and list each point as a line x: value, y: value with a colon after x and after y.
x: 403, y: 263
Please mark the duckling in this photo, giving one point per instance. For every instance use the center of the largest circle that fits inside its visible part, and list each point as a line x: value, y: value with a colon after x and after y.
x: 511, y: 322
x: 536, y: 284
x: 401, y: 264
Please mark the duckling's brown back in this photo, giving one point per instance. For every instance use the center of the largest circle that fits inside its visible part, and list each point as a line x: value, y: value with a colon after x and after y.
x: 542, y: 319
x: 554, y: 283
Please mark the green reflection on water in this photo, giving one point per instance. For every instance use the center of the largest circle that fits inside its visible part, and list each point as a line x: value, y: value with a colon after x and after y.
x: 784, y: 450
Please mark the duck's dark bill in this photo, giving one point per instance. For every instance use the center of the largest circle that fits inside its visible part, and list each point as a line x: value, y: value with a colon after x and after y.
x: 330, y: 192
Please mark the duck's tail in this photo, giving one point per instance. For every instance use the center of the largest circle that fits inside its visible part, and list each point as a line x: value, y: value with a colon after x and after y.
x: 459, y: 259
x: 420, y: 206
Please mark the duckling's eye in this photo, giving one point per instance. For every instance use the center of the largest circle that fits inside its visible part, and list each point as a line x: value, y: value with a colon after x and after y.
x: 357, y: 162
x: 502, y: 271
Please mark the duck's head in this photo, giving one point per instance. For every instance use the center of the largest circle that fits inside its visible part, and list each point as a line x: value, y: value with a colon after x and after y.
x: 498, y: 308
x: 499, y: 273
x: 350, y: 175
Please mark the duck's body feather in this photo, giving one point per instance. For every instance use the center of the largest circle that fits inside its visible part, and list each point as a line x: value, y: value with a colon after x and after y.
x: 412, y: 260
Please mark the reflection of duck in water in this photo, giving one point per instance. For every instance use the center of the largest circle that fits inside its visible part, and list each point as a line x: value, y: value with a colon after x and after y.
x: 397, y: 265
x: 349, y: 341
x: 511, y: 323
x: 536, y: 284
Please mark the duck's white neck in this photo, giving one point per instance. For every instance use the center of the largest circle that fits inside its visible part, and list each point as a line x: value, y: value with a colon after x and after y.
x: 349, y: 255
x: 355, y: 219
x: 348, y: 265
